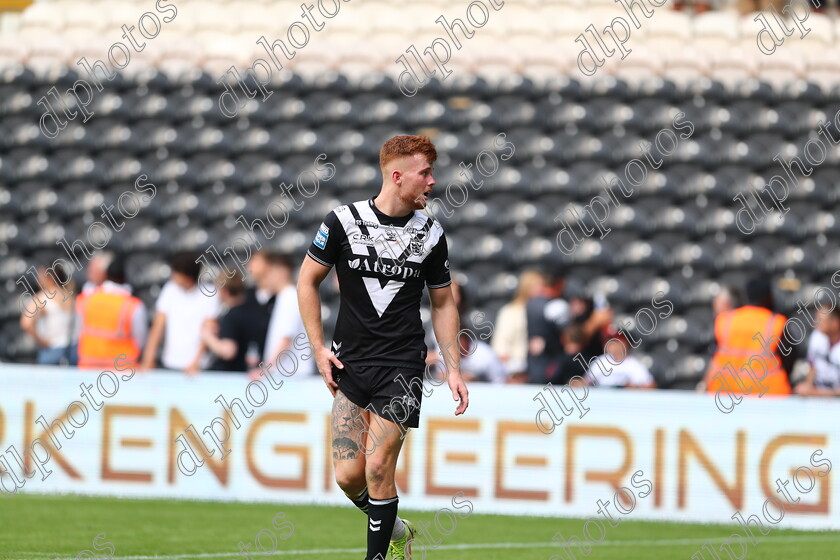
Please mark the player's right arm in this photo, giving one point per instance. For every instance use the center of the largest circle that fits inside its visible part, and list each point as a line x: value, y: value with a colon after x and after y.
x: 322, y: 255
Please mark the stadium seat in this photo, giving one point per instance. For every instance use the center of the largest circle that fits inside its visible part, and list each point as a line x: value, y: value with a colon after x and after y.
x: 667, y: 30
x: 718, y: 30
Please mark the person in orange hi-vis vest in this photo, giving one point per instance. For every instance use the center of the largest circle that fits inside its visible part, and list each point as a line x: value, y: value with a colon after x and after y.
x: 753, y: 355
x: 113, y: 322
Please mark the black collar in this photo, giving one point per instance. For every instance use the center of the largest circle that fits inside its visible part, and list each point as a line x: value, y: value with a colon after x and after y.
x: 387, y: 220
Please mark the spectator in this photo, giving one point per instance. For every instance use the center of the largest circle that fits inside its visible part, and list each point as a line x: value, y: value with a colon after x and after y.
x: 258, y: 267
x: 571, y: 365
x: 51, y: 326
x: 547, y: 314
x: 824, y: 357
x: 112, y: 321
x: 510, y: 335
x: 235, y: 338
x: 260, y: 295
x: 285, y: 324
x: 180, y: 312
x: 739, y: 334
x: 594, y: 317
x: 751, y: 6
x: 617, y: 368
x: 97, y: 270
x: 478, y: 360
x: 696, y: 6
x: 725, y: 300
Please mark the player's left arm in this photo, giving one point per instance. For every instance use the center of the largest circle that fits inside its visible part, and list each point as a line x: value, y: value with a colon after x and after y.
x: 445, y: 322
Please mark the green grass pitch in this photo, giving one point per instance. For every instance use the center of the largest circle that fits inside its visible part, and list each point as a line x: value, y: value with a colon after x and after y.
x: 46, y: 527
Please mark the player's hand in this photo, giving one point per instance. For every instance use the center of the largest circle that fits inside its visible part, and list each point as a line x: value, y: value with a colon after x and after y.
x: 325, y: 358
x: 459, y: 391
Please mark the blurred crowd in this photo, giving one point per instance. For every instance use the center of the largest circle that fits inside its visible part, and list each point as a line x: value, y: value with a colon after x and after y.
x: 539, y: 337
x: 230, y: 326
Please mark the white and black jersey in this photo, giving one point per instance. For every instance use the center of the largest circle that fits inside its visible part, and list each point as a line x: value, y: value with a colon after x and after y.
x: 382, y: 264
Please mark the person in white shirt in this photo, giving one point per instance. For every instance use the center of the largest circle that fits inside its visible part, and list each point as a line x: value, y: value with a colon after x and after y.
x: 478, y: 360
x: 181, y: 310
x: 51, y: 325
x: 823, y: 378
x: 285, y: 325
x: 510, y: 337
x: 617, y: 368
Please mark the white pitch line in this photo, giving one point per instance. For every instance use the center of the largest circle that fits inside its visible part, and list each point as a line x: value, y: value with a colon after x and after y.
x: 473, y: 546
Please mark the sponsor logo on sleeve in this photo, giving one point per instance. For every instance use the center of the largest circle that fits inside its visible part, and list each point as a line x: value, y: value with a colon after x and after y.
x: 322, y: 236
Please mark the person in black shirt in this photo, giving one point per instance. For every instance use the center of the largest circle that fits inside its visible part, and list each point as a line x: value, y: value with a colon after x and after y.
x: 385, y: 252
x: 236, y: 336
x: 547, y: 315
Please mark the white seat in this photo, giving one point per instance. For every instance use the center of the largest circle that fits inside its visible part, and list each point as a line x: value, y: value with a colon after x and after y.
x: 823, y: 67
x: 732, y: 66
x: 41, y: 15
x: 564, y: 24
x: 215, y: 18
x: 749, y: 31
x: 12, y: 48
x: 542, y: 70
x: 225, y: 52
x: 821, y: 35
x: 721, y: 29
x: 179, y: 48
x: 686, y: 65
x: 781, y: 69
x: 668, y: 23
x: 642, y: 64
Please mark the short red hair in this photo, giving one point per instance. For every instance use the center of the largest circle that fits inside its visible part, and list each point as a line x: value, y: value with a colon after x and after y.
x: 402, y: 146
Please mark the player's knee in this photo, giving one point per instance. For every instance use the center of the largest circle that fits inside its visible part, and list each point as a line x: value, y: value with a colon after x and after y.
x: 350, y: 479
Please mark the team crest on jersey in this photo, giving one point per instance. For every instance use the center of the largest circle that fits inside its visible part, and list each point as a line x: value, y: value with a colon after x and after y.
x: 322, y: 236
x: 418, y: 240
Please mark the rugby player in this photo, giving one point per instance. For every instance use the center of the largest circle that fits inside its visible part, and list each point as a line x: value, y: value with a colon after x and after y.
x: 385, y: 251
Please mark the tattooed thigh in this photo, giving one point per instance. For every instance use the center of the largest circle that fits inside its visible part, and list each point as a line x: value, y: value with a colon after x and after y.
x: 347, y: 425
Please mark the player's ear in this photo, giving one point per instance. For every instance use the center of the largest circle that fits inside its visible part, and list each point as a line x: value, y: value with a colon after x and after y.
x: 396, y: 176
